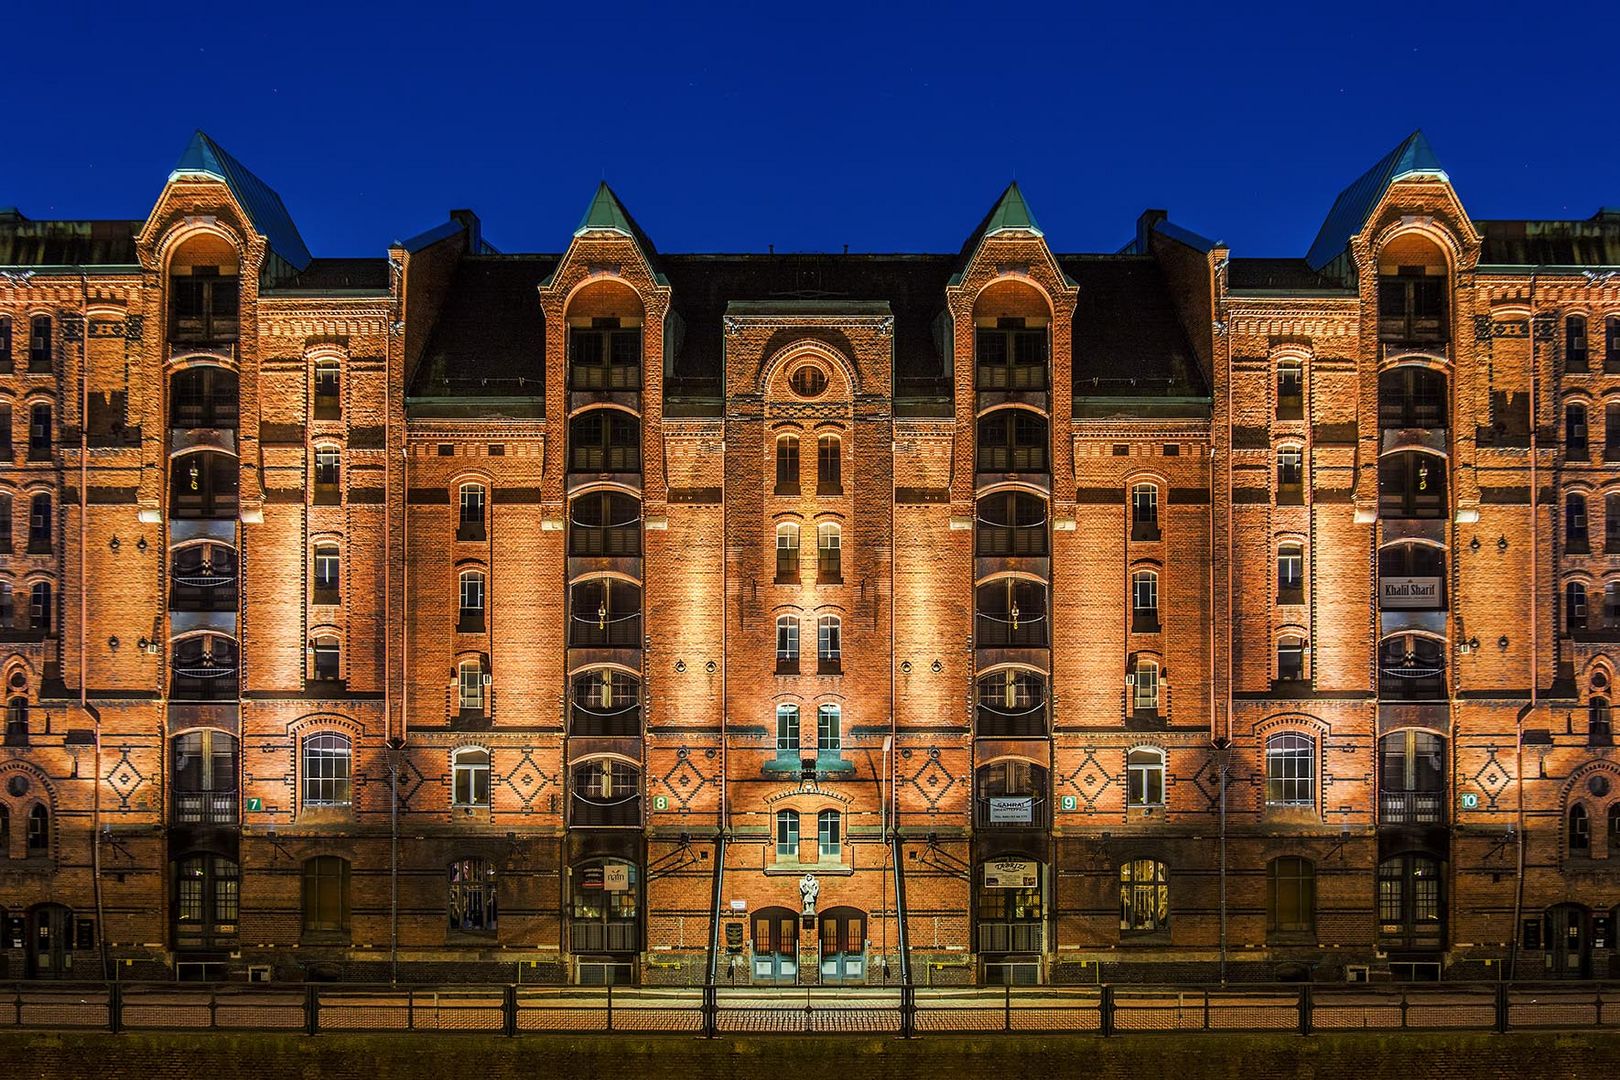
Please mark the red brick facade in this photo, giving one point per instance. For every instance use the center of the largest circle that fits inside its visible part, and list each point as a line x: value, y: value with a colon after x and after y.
x: 614, y: 615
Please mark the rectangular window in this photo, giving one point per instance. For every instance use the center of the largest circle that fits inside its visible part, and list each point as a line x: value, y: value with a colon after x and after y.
x: 326, y: 895
x: 1145, y: 778
x: 829, y: 554
x: 829, y: 733
x: 1145, y: 603
x: 326, y: 476
x: 829, y: 645
x: 5, y: 432
x: 39, y: 433
x: 471, y: 779
x: 787, y: 730
x: 1290, y: 660
x: 787, y: 554
x: 1144, y: 512
x: 39, y: 344
x: 829, y: 834
x: 471, y: 614
x: 787, y: 834
x: 5, y: 345
x: 326, y: 574
x: 1575, y: 343
x: 1290, y: 574
x: 829, y: 466
x: 326, y: 659
x: 787, y: 465
x: 787, y: 645
x: 1146, y: 690
x: 327, y: 405
x: 1290, y: 390
x: 1290, y: 477
x: 470, y: 523
x: 1611, y: 343
x: 470, y: 685
x: 1575, y: 444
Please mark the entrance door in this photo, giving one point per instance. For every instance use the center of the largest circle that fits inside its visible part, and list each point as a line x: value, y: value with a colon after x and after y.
x: 843, y: 945
x: 50, y: 942
x: 1569, y: 941
x: 776, y: 946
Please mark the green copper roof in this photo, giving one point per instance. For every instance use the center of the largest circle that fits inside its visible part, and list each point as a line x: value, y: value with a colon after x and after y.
x: 1011, y: 212
x: 269, y: 215
x: 607, y: 214
x: 1413, y: 157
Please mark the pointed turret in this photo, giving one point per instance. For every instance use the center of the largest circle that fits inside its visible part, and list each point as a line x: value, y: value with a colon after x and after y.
x: 606, y: 213
x: 1413, y: 157
x: 1010, y: 214
x: 205, y: 157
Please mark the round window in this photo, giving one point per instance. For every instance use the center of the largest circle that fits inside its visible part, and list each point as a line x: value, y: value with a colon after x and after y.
x: 1598, y: 785
x: 18, y: 680
x: 17, y: 786
x: 1599, y: 680
x: 808, y: 381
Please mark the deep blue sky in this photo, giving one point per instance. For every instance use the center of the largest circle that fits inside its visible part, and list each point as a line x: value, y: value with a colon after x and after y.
x: 886, y: 126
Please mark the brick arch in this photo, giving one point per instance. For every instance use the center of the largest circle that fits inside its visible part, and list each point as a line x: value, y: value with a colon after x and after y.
x: 776, y: 363
x: 1450, y: 248
x: 603, y: 406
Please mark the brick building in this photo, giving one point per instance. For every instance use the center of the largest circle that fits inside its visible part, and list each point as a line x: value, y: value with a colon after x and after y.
x: 616, y: 615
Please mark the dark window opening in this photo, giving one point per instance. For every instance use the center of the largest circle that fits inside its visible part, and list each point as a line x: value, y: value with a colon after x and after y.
x: 604, y: 613
x: 1412, y: 307
x: 204, y: 307
x: 203, y: 485
x: 604, y: 441
x: 203, y: 577
x: 604, y: 358
x: 1011, y: 358
x: 1012, y: 524
x: 1011, y: 613
x: 605, y: 524
x: 204, y: 396
x: 1013, y: 441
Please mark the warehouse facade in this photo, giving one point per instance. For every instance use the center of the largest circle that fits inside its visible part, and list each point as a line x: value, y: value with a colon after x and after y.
x: 620, y: 616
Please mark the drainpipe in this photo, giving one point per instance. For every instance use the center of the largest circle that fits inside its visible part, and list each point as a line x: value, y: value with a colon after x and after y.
x: 724, y: 825
x: 1535, y: 648
x: 892, y: 743
x: 84, y: 608
x: 1223, y: 762
x: 395, y: 746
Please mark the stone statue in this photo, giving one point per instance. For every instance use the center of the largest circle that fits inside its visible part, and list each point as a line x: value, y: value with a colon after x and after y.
x: 809, y: 889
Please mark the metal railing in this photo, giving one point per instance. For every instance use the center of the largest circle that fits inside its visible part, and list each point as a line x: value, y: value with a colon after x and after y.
x: 901, y: 1010
x: 1411, y: 808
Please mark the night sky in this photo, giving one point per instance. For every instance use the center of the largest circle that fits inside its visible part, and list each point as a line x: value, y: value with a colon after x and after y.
x: 884, y: 126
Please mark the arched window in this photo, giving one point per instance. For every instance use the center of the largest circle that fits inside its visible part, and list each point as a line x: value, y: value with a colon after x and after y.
x: 39, y: 524
x: 829, y: 834
x: 1290, y: 770
x: 787, y: 552
x: 604, y: 441
x: 606, y: 702
x: 469, y: 768
x: 1290, y: 476
x: 829, y: 645
x: 8, y: 606
x: 39, y: 433
x: 604, y: 523
x: 606, y: 792
x: 787, y: 644
x: 1580, y: 829
x: 1011, y: 612
x: 470, y: 613
x: 1575, y: 538
x: 472, y: 896
x: 1290, y: 390
x: 787, y: 834
x: 328, y: 768
x: 787, y: 464
x: 16, y: 721
x: 39, y: 830
x: 1145, y: 687
x: 829, y: 465
x: 470, y: 519
x: 470, y: 686
x: 1575, y: 439
x: 1290, y: 658
x: 1290, y: 573
x: 1145, y: 602
x: 1614, y: 827
x: 1610, y: 613
x: 1144, y: 773
x: 327, y: 404
x: 328, y: 571
x: 203, y: 667
x: 1575, y: 607
x: 808, y: 381
x: 1575, y: 354
x: 1012, y: 441
x: 1611, y: 431
x: 787, y: 731
x: 327, y: 667
x: 1611, y: 343
x: 5, y: 831
x: 326, y: 895
x: 829, y: 730
x: 5, y: 516
x: 1012, y: 704
x: 328, y: 476
x: 203, y: 485
x: 605, y: 612
x: 40, y: 609
x: 1291, y: 895
x: 1598, y: 730
x: 1144, y: 897
x: 1011, y: 523
x: 1144, y: 512
x: 829, y: 553
x: 1611, y: 524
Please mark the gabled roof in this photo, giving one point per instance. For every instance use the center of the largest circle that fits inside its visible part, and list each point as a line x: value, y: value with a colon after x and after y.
x: 606, y: 213
x: 1413, y: 157
x: 1010, y: 214
x: 264, y: 207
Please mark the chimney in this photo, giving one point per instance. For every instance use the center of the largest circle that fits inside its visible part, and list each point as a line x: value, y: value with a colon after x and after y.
x: 475, y: 230
x: 1144, y: 226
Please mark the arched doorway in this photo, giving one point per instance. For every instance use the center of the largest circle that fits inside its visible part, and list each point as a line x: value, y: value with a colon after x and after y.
x: 776, y: 946
x: 843, y: 945
x: 1569, y: 941
x: 50, y: 942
